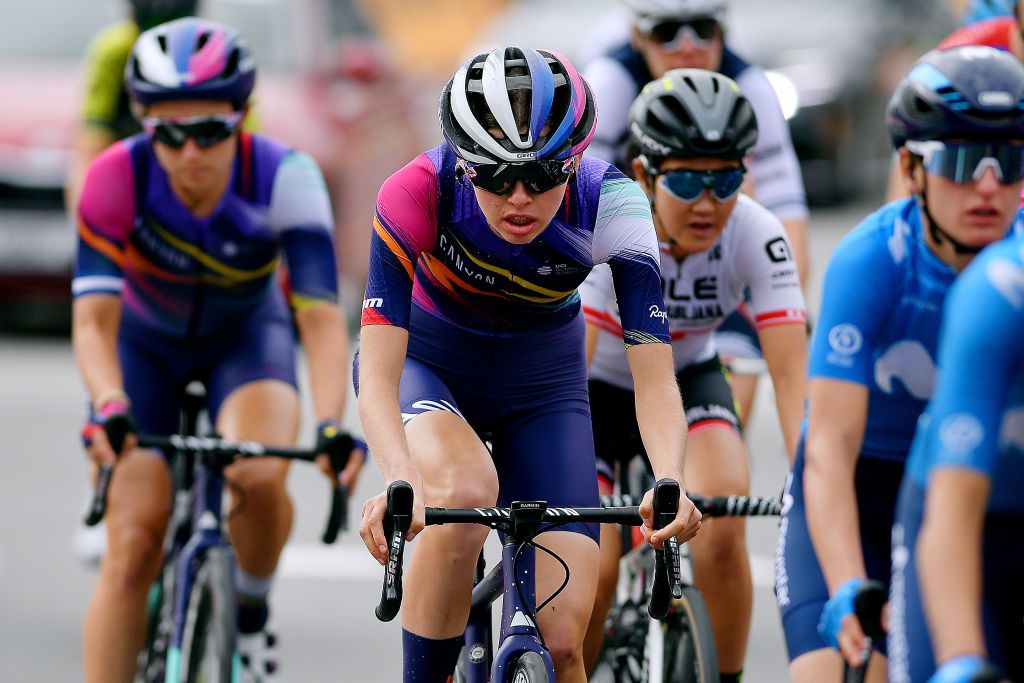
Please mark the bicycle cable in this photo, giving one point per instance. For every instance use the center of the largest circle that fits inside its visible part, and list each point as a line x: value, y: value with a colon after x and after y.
x: 519, y: 587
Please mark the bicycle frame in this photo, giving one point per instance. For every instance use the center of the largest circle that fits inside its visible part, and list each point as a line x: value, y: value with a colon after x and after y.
x: 519, y: 633
x: 207, y: 495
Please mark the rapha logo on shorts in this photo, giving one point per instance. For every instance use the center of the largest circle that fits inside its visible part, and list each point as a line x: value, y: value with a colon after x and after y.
x: 961, y: 433
x: 375, y: 302
x: 658, y: 313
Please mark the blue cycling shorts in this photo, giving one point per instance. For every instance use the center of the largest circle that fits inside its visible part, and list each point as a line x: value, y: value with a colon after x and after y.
x: 157, y: 367
x: 910, y: 650
x: 800, y: 588
x: 525, y: 393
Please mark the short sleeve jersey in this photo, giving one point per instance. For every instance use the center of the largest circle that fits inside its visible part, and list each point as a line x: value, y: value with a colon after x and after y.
x: 186, y: 276
x: 702, y: 290
x: 881, y: 309
x: 617, y: 78
x: 431, y: 245
x: 976, y: 418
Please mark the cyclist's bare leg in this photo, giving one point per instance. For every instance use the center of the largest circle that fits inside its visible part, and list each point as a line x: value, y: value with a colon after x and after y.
x: 716, y: 465
x: 744, y: 390
x: 827, y: 665
x: 457, y: 471
x: 138, y: 506
x: 608, y: 578
x: 564, y: 621
x: 265, y: 411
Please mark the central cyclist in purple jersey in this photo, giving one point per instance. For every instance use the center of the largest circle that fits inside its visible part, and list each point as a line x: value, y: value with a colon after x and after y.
x: 181, y: 230
x: 471, y: 326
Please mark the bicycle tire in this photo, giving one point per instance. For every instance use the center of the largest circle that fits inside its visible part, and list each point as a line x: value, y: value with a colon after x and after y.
x: 209, y: 642
x: 152, y: 661
x: 529, y: 668
x: 688, y: 642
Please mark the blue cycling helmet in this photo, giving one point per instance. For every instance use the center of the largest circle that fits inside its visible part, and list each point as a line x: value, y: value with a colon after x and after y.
x: 970, y: 92
x: 980, y: 10
x: 190, y: 59
x: 560, y: 121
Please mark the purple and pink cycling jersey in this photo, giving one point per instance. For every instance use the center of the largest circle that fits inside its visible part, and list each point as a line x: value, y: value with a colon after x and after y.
x: 200, y: 297
x: 495, y: 334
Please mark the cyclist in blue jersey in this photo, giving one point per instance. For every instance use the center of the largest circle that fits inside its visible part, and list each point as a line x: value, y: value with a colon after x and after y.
x: 673, y: 34
x: 471, y: 326
x: 956, y: 598
x: 180, y: 232
x: 957, y: 121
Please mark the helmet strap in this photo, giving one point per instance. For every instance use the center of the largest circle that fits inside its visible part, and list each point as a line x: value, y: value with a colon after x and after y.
x: 934, y: 229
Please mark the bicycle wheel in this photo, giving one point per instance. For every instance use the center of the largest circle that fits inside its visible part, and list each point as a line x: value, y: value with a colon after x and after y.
x: 152, y: 661
x: 688, y: 642
x: 208, y: 646
x: 530, y: 668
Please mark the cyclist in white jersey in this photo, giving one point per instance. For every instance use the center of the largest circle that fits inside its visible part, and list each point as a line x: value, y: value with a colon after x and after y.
x: 671, y: 34
x: 692, y: 128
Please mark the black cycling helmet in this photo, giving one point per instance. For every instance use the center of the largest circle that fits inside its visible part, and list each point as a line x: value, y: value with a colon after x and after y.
x: 692, y: 113
x: 970, y: 92
x: 150, y: 13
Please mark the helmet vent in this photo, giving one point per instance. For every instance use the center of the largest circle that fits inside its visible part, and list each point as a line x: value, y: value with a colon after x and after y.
x: 232, y: 64
x: 162, y: 40
x: 202, y: 40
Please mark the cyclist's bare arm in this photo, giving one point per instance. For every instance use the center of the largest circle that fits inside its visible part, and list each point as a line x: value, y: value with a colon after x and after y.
x: 382, y: 350
x: 95, y: 322
x: 89, y: 141
x: 592, y: 333
x: 949, y: 560
x: 323, y: 333
x: 835, y: 431
x: 785, y: 352
x: 659, y: 410
x: 796, y: 233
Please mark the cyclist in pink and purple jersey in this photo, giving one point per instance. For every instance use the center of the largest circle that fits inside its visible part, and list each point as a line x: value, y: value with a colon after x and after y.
x: 471, y: 326
x: 180, y: 232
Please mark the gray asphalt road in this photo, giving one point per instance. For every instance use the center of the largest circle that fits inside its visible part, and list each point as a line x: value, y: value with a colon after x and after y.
x: 324, y: 597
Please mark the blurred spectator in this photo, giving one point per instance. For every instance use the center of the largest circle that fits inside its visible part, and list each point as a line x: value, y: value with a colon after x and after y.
x: 980, y: 10
x: 106, y: 115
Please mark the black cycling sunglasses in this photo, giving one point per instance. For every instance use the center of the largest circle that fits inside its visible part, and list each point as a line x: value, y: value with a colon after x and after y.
x: 670, y: 34
x: 537, y: 176
x: 207, y: 131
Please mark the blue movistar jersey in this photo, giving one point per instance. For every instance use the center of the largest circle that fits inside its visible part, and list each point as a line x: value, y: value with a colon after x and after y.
x: 976, y: 417
x: 880, y: 316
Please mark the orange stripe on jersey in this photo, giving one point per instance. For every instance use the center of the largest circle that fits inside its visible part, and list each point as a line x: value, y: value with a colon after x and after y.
x: 134, y: 260
x: 101, y: 244
x: 446, y: 278
x: 393, y: 245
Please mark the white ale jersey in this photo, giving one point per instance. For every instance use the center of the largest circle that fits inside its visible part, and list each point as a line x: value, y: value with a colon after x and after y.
x: 702, y: 289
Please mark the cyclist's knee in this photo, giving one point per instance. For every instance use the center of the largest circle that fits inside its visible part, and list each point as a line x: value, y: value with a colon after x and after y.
x: 133, y: 557
x: 565, y: 644
x: 725, y: 546
x: 261, y: 482
x: 463, y: 489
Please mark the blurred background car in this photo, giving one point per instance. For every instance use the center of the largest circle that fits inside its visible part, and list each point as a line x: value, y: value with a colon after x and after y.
x: 326, y: 86
x: 829, y: 61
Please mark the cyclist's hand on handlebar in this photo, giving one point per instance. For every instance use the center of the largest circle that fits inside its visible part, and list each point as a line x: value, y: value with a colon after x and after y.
x: 371, y: 528
x: 346, y: 466
x: 684, y: 527
x: 94, y: 432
